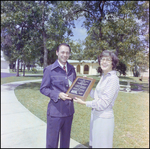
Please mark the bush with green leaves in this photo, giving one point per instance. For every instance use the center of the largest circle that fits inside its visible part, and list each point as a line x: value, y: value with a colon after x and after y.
x: 34, y: 70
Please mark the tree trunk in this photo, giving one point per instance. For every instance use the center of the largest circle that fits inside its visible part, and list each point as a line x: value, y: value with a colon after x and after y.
x: 117, y: 50
x: 24, y: 69
x: 17, y: 75
x: 21, y: 66
x: 45, y: 50
x: 44, y: 36
x: 15, y: 66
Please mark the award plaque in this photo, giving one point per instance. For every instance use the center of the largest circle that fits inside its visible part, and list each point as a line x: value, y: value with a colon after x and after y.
x: 81, y: 87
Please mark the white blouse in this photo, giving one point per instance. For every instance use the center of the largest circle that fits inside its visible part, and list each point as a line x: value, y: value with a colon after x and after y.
x: 104, y: 95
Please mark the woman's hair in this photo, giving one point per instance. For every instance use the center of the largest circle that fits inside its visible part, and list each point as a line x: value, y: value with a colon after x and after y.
x: 63, y: 44
x: 107, y: 53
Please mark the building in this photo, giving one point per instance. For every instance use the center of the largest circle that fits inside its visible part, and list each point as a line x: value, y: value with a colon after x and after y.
x: 4, y: 64
x: 88, y: 67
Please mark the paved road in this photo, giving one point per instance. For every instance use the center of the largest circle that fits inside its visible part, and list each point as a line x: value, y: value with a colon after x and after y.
x: 4, y: 75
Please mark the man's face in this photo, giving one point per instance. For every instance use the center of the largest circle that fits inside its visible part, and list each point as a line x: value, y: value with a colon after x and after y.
x: 63, y: 54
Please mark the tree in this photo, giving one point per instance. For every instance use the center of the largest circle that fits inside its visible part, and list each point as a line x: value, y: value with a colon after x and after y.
x: 141, y: 63
x: 33, y: 39
x: 121, y: 68
x: 113, y: 25
x: 56, y: 24
x: 59, y: 29
x: 14, y: 25
x: 77, y: 50
x: 6, y: 44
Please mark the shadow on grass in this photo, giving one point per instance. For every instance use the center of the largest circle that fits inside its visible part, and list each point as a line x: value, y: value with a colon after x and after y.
x: 87, y: 145
x: 137, y: 86
x: 9, y: 87
x: 80, y: 146
x: 33, y: 76
x: 126, y: 78
x: 31, y: 85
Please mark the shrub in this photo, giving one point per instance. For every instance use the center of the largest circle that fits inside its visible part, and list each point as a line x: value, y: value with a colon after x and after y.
x: 34, y: 70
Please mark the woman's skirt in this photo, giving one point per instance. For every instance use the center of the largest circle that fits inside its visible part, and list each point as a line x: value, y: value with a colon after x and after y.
x: 101, y: 132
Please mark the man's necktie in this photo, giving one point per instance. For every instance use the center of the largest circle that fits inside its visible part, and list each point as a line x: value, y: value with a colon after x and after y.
x: 64, y: 68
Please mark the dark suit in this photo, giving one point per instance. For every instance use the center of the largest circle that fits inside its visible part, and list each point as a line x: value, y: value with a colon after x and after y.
x: 59, y: 112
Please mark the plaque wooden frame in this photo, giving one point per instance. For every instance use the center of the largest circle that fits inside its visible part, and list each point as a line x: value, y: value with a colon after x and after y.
x: 87, y: 87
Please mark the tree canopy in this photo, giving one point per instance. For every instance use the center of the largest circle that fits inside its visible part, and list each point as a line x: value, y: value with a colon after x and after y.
x: 120, y: 26
x: 34, y: 28
x: 31, y: 30
x: 113, y: 25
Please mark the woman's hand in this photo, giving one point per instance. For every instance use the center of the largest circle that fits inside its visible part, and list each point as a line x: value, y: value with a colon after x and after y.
x: 78, y: 100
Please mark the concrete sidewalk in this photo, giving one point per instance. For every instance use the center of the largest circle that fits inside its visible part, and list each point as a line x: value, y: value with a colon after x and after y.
x: 19, y: 127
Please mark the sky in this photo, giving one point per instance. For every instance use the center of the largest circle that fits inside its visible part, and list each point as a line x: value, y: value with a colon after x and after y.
x: 79, y: 32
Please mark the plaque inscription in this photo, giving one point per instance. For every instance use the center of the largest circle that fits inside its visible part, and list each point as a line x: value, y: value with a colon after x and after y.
x: 81, y: 87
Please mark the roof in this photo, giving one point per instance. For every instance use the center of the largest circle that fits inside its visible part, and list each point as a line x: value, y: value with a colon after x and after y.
x: 83, y: 61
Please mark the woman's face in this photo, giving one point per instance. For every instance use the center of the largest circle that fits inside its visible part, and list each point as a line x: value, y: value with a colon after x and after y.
x: 106, y: 64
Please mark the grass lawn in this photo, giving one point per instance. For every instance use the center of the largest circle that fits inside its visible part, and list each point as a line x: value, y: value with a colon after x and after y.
x: 14, y: 79
x: 27, y: 72
x: 131, y: 112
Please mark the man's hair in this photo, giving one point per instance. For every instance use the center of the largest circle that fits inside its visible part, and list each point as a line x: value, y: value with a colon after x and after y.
x: 106, y: 53
x: 63, y: 44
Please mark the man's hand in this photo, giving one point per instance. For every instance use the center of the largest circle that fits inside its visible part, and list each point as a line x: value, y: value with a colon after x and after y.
x: 64, y: 96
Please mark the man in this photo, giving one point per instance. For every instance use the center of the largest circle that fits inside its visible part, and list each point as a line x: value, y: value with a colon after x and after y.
x: 55, y: 83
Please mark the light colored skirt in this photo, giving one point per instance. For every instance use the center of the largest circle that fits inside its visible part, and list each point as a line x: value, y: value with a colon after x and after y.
x: 101, y: 132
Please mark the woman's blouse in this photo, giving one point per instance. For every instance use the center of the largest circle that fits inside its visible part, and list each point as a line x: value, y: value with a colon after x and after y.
x: 104, y: 95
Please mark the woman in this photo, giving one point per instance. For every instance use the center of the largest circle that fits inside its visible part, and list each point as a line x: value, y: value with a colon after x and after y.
x: 102, y: 117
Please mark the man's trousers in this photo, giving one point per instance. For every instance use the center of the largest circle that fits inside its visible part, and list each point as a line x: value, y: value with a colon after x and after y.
x: 56, y: 126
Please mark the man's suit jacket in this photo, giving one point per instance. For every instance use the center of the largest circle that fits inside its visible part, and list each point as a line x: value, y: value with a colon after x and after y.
x: 55, y: 80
